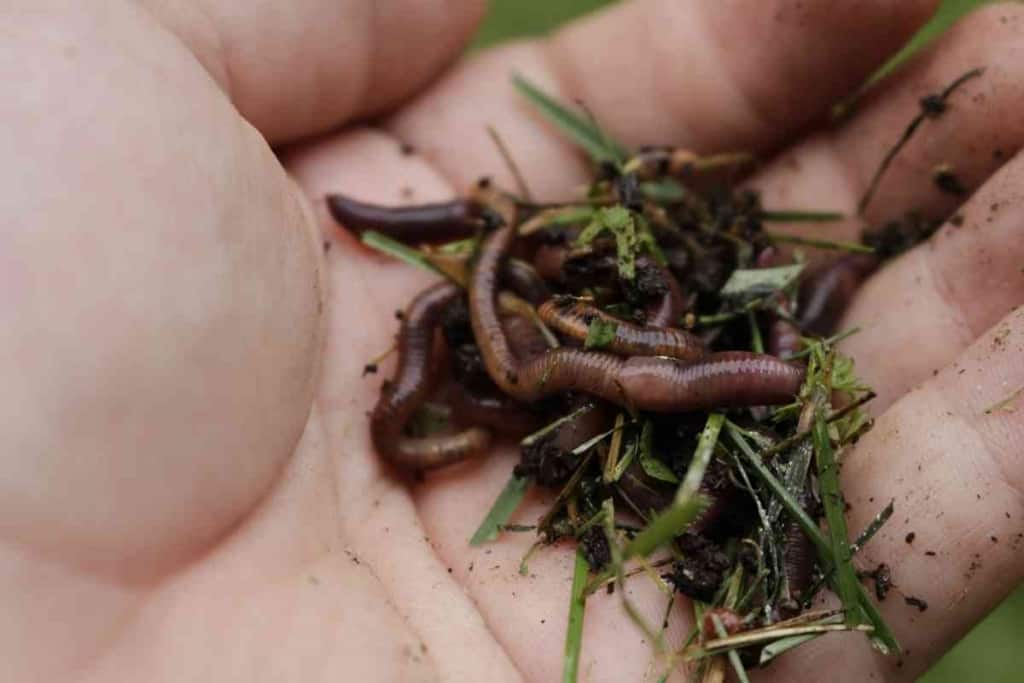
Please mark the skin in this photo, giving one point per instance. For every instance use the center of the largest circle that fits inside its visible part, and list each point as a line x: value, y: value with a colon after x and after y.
x: 187, y: 489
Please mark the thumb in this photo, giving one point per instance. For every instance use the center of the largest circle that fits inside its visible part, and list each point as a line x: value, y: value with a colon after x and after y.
x: 296, y: 69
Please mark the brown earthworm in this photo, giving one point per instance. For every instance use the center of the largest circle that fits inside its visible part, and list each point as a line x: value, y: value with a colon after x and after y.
x: 405, y: 393
x: 523, y: 336
x: 549, y: 261
x: 422, y: 223
x: 667, y: 310
x: 573, y: 317
x: 643, y: 383
x: 494, y: 411
x: 783, y: 335
x: 731, y: 622
x: 798, y: 556
x: 826, y: 292
x: 523, y: 279
x: 644, y: 493
x: 549, y: 460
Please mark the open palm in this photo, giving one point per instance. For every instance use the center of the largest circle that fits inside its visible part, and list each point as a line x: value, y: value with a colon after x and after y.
x: 187, y: 490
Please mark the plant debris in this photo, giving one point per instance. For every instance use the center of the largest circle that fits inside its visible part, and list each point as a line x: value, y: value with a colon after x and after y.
x: 672, y: 377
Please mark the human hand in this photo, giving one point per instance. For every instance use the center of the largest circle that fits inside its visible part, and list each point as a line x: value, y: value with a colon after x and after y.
x: 160, y: 520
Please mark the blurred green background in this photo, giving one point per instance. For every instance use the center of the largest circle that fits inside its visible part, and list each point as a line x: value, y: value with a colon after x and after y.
x: 994, y: 651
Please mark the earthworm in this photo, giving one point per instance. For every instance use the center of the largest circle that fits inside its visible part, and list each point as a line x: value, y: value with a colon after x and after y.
x: 523, y: 279
x: 643, y: 492
x: 826, y: 292
x: 783, y: 336
x: 405, y: 393
x: 798, y: 558
x: 667, y: 310
x: 644, y: 383
x: 549, y: 460
x: 731, y: 622
x: 798, y: 555
x: 497, y: 412
x: 523, y: 336
x: 422, y: 223
x: 573, y: 318
x: 655, y: 162
x: 549, y: 261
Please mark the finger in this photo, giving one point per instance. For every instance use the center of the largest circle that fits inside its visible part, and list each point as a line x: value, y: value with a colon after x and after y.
x: 947, y: 291
x: 174, y: 326
x: 703, y: 75
x: 948, y: 455
x: 528, y: 612
x: 295, y: 69
x: 375, y: 511
x: 980, y: 131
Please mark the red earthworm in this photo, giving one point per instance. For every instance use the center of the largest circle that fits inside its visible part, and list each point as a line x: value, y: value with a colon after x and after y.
x: 655, y: 162
x: 783, y: 336
x: 573, y: 318
x: 549, y: 460
x: 666, y: 311
x: 549, y: 261
x: 798, y: 555
x: 643, y: 383
x: 826, y: 292
x: 523, y: 336
x: 422, y: 223
x: 642, y: 492
x: 523, y: 279
x: 497, y: 412
x: 405, y: 393
x: 732, y: 623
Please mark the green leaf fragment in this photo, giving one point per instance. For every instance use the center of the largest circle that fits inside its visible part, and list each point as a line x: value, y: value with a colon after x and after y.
x: 600, y: 334
x: 747, y: 284
x: 622, y: 225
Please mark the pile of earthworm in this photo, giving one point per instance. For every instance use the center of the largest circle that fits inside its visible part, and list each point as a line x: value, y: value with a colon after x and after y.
x: 539, y: 334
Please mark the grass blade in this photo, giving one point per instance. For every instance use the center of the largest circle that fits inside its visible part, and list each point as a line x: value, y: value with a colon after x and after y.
x: 688, y: 502
x: 880, y: 519
x: 849, y: 247
x: 394, y: 249
x: 801, y: 216
x: 580, y: 130
x: 734, y: 656
x: 574, y: 631
x: 504, y: 505
x: 835, y: 515
x: 882, y: 636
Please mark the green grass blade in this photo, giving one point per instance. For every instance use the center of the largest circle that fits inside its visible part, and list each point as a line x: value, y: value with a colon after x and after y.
x: 394, y: 249
x: 849, y: 247
x: 835, y: 515
x: 882, y: 637
x: 688, y: 502
x: 801, y: 216
x: 579, y: 129
x: 574, y: 631
x: 877, y: 523
x: 504, y: 505
x: 734, y: 656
